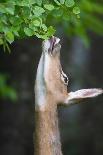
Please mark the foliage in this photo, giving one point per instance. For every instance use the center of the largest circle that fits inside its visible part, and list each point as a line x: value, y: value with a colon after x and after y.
x: 29, y: 17
x: 25, y: 18
x: 6, y: 91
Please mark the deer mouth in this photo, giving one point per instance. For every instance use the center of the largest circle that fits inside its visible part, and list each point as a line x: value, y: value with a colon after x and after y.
x: 53, y: 42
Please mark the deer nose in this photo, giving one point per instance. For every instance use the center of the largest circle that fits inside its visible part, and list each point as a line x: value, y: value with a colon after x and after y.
x: 53, y: 41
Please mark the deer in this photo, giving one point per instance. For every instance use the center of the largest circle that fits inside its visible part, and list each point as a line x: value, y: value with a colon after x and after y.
x: 50, y: 91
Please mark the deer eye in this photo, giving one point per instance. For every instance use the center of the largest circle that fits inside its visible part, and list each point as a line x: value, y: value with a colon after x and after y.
x: 64, y: 78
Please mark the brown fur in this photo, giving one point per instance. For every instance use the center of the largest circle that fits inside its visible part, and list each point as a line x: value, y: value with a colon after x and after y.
x: 47, y: 138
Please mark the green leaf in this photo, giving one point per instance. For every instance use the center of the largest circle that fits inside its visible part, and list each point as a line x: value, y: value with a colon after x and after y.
x: 50, y: 31
x: 45, y: 37
x: 9, y: 37
x: 10, y: 9
x: 2, y: 8
x: 15, y: 21
x: 39, y: 2
x: 57, y: 2
x: 28, y: 31
x: 44, y: 27
x: 36, y: 23
x: 49, y: 7
x: 38, y: 11
x: 62, y: 1
x: 32, y: 2
x: 76, y: 10
x: 5, y: 28
x: 57, y: 13
x: 1, y: 41
x: 1, y: 26
x: 15, y: 30
x: 69, y: 3
x: 4, y: 19
x: 32, y: 26
x: 24, y: 3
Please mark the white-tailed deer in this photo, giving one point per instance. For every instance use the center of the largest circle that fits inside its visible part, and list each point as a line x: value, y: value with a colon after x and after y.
x: 51, y: 90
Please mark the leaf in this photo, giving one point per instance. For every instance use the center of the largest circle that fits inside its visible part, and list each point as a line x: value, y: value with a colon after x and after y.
x: 28, y: 31
x: 38, y: 11
x: 49, y: 7
x: 44, y: 27
x: 48, y: 34
x: 39, y: 2
x: 1, y: 41
x: 32, y: 26
x: 15, y: 30
x: 36, y: 23
x: 57, y: 13
x: 2, y: 8
x: 9, y: 37
x: 32, y: 2
x: 42, y: 36
x: 15, y: 21
x: 5, y: 28
x: 57, y: 2
x: 50, y: 31
x: 27, y: 3
x: 69, y: 3
x: 76, y: 10
x: 4, y: 19
x: 62, y: 1
x: 10, y: 8
x: 1, y: 26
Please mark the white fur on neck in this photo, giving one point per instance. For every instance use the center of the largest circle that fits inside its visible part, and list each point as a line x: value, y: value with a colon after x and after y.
x: 40, y: 90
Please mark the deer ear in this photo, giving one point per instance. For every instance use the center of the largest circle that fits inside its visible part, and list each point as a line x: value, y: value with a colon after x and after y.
x: 81, y: 94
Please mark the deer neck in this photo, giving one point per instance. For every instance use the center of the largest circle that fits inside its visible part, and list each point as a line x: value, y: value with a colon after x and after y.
x: 47, y: 137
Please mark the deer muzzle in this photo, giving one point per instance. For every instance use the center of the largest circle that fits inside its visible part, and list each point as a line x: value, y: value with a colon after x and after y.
x: 53, y: 42
x: 52, y: 45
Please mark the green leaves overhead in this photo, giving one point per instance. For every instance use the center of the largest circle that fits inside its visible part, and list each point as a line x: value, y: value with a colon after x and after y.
x: 25, y: 18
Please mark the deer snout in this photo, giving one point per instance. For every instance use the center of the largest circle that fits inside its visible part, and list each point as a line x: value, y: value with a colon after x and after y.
x: 52, y: 45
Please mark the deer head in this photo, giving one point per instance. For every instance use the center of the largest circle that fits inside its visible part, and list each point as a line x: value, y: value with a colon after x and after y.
x: 52, y: 82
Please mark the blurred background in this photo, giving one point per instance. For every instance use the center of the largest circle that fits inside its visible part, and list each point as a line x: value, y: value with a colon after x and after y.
x: 81, y: 125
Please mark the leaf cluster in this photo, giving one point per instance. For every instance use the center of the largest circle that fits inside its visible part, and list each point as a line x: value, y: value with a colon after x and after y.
x: 25, y: 18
